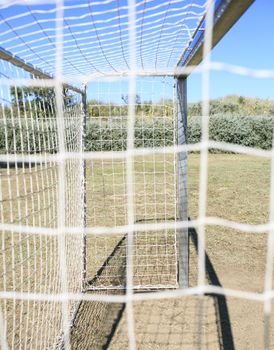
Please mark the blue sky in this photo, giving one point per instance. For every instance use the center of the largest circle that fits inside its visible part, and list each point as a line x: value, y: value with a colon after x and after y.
x: 249, y: 43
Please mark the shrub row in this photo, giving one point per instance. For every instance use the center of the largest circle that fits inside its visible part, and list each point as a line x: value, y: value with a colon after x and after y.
x: 113, y: 136
x: 105, y: 136
x: 27, y: 136
x: 253, y: 132
x: 33, y: 136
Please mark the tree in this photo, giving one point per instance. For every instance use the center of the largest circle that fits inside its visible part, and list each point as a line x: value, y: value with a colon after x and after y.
x: 125, y: 98
x: 241, y: 100
x: 38, y: 101
x: 137, y: 99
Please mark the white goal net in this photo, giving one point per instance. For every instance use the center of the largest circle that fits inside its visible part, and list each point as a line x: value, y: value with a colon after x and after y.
x: 36, y: 194
x: 155, y: 192
x: 93, y: 172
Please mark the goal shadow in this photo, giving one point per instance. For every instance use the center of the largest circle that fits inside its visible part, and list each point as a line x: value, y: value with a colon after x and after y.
x: 224, y: 324
x: 168, y: 324
x: 96, y: 321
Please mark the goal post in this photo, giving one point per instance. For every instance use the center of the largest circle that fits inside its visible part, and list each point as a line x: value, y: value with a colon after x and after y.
x: 183, y: 244
x: 84, y: 167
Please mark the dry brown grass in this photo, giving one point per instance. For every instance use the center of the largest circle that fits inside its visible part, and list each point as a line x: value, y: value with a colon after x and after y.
x: 238, y: 190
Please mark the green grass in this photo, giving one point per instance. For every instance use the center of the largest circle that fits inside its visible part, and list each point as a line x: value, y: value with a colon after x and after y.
x: 238, y: 190
x: 238, y: 187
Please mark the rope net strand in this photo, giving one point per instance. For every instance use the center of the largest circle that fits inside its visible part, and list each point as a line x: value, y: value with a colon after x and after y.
x: 91, y: 193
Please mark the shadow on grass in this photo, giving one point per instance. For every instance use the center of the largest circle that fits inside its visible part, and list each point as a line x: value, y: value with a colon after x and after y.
x: 226, y: 335
x: 96, y: 323
x: 19, y: 165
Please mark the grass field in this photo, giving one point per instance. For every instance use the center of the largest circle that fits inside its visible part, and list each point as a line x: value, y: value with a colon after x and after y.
x: 155, y: 200
x: 238, y: 190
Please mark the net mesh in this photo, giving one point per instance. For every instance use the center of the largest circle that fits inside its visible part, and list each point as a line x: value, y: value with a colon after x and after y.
x: 30, y: 197
x: 154, y: 253
x: 82, y: 229
x: 96, y: 34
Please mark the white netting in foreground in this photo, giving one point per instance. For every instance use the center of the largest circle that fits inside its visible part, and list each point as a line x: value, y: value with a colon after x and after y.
x: 95, y: 34
x: 83, y: 229
x: 31, y: 194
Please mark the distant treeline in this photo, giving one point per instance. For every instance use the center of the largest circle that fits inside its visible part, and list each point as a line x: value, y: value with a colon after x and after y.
x: 235, y: 105
x: 232, y: 105
x: 40, y: 103
x: 148, y: 108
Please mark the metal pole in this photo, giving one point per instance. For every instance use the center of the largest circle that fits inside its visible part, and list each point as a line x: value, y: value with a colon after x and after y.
x: 183, y: 245
x: 226, y: 14
x: 84, y: 164
x: 38, y: 73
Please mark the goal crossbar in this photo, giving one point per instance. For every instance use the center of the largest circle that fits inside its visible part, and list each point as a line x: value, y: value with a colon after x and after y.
x: 28, y: 67
x: 226, y: 14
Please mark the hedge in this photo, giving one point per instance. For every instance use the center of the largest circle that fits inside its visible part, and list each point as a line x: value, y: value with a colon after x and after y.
x: 253, y: 132
x: 113, y: 136
x: 247, y: 131
x: 21, y: 135
x: 154, y: 132
x: 32, y: 136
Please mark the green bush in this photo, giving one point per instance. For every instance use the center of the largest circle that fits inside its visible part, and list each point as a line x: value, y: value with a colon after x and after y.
x: 111, y: 135
x: 253, y: 132
x: 32, y: 136
x: 26, y: 136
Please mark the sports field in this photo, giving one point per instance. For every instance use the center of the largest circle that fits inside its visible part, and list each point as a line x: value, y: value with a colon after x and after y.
x: 238, y: 190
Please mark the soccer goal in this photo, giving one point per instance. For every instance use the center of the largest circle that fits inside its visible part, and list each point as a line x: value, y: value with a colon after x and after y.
x: 93, y: 158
